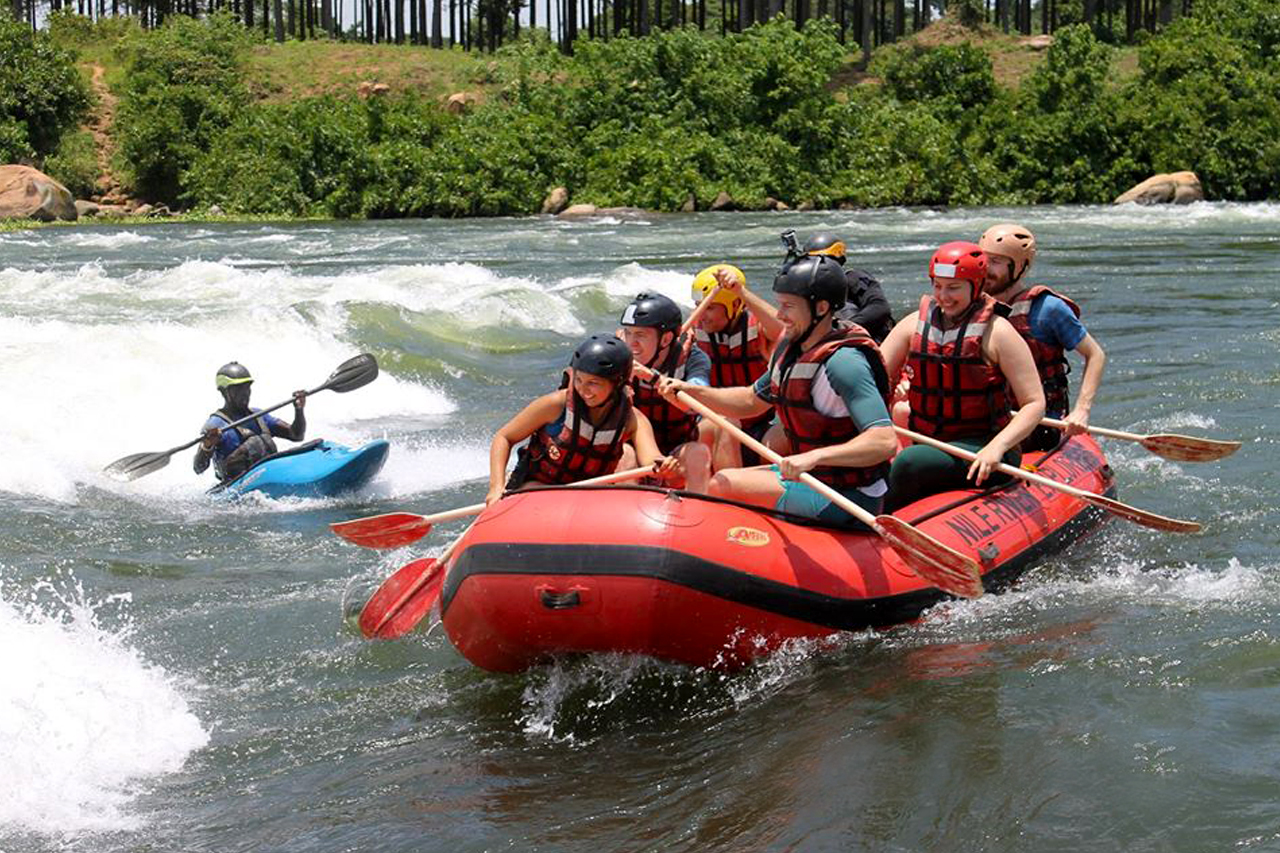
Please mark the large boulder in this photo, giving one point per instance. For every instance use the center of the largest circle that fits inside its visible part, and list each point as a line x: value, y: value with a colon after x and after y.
x: 575, y: 210
x: 27, y: 193
x: 556, y: 201
x: 1171, y: 188
x: 724, y: 201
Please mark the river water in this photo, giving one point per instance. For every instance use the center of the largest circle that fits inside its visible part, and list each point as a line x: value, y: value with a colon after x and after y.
x: 178, y: 673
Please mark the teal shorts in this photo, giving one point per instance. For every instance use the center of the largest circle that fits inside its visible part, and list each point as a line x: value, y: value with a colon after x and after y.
x: 798, y: 499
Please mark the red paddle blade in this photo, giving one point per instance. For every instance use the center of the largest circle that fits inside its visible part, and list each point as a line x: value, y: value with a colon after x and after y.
x: 391, y: 530
x: 402, y: 600
x: 1185, y: 448
x: 944, y: 567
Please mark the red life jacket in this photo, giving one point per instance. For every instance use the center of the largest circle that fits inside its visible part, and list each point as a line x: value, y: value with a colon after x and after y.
x: 738, y: 357
x: 791, y: 392
x: 671, y: 426
x: 580, y: 450
x: 955, y: 392
x: 1051, y: 359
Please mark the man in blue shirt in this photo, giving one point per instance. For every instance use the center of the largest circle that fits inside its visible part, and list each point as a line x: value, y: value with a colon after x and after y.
x: 1050, y: 324
x: 234, y: 451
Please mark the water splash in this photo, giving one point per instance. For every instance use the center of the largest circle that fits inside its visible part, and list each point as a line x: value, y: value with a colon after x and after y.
x: 84, y: 719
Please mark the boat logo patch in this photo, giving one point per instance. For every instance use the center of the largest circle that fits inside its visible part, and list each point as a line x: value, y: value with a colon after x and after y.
x: 748, y: 536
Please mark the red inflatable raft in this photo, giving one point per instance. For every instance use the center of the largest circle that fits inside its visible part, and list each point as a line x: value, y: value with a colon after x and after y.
x: 708, y: 582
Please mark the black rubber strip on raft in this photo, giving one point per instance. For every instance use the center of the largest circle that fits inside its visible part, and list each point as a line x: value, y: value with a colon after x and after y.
x: 729, y: 584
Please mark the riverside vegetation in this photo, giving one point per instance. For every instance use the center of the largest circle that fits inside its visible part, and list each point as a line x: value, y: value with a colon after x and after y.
x: 653, y: 122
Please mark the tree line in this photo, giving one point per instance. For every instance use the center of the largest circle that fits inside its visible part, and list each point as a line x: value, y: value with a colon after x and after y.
x: 488, y: 24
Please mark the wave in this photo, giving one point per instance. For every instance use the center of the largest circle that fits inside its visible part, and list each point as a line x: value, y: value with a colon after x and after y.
x: 84, y: 719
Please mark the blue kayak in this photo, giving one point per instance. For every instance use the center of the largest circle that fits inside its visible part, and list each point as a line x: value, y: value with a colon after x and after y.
x: 317, y: 469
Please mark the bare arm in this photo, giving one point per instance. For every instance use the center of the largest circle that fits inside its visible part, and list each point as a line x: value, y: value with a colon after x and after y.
x: 869, y: 448
x: 739, y: 402
x: 531, y: 418
x: 1007, y: 350
x: 894, y: 349
x: 1095, y: 361
x: 766, y: 315
x: 646, y: 445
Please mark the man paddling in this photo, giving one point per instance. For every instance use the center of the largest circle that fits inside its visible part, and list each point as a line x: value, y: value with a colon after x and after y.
x: 1050, y: 324
x: 831, y: 391
x: 235, y: 451
x: 651, y: 329
x: 737, y: 331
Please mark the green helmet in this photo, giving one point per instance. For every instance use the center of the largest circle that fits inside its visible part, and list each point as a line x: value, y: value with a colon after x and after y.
x: 232, y: 373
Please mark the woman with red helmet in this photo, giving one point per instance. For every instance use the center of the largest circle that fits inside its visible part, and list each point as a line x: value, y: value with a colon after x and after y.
x: 965, y: 363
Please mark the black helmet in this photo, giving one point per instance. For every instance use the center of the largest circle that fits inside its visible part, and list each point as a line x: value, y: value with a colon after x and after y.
x: 825, y: 243
x: 232, y: 373
x: 603, y: 355
x: 814, y: 277
x: 655, y: 310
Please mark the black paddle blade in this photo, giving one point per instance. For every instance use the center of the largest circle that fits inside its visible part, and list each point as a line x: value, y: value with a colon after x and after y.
x: 137, y: 465
x: 353, y: 373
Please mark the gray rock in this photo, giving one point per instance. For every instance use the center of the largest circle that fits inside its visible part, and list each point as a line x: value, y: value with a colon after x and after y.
x: 723, y: 201
x: 690, y: 204
x: 86, y: 208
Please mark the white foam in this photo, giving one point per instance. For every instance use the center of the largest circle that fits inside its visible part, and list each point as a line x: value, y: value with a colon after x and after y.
x: 84, y: 719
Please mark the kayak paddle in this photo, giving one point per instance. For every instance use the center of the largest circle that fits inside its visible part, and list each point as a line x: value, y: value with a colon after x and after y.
x: 1130, y: 513
x: 353, y: 373
x: 1179, y: 448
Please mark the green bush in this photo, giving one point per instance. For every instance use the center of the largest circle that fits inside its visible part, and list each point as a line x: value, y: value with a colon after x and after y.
x: 1060, y: 142
x: 308, y: 158
x: 75, y: 164
x: 41, y: 93
x: 650, y: 122
x: 184, y: 84
x: 1208, y: 99
x: 958, y: 75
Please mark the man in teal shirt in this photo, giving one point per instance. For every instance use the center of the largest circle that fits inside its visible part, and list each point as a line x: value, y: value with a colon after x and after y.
x: 830, y: 389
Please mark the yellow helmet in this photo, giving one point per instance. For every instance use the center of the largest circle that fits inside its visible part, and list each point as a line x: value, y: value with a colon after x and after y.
x: 1013, y: 242
x: 704, y: 281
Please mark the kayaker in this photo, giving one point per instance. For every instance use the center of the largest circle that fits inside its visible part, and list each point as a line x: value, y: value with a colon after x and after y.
x: 964, y: 359
x: 865, y: 303
x: 737, y: 332
x: 650, y: 326
x: 235, y: 451
x: 579, y: 431
x: 830, y: 388
x: 1050, y: 324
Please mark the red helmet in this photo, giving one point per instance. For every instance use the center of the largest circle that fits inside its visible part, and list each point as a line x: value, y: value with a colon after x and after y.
x: 962, y: 260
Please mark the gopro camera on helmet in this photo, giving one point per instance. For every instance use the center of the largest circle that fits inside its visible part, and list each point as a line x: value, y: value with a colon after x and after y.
x: 792, y: 245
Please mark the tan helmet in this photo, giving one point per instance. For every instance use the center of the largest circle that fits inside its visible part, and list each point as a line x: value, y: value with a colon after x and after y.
x: 1013, y: 242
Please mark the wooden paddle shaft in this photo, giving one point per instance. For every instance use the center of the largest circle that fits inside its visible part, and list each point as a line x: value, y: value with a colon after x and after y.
x: 1007, y: 469
x: 699, y: 310
x: 776, y: 458
x: 1109, y: 433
